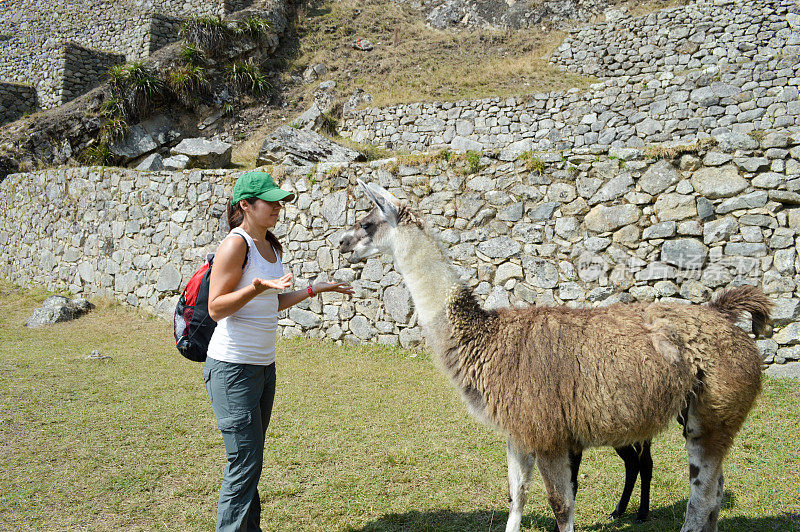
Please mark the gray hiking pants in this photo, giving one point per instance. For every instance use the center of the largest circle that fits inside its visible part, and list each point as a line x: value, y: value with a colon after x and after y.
x: 241, y: 396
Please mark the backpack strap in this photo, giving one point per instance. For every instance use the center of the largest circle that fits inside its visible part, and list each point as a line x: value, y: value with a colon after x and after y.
x: 247, y: 253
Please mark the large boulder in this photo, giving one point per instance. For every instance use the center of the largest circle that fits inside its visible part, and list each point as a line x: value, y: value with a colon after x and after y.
x: 204, y: 153
x: 56, y: 309
x: 133, y: 144
x: 294, y: 147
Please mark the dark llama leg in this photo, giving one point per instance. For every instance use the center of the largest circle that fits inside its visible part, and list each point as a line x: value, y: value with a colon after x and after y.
x: 645, y: 475
x: 629, y: 455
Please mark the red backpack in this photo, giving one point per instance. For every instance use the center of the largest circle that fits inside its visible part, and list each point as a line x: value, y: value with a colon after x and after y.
x: 193, y: 324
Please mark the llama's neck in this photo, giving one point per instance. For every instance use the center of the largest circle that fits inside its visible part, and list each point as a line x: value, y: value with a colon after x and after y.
x: 427, y: 272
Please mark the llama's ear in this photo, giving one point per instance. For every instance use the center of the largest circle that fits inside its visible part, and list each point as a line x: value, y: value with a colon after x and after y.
x: 386, y: 202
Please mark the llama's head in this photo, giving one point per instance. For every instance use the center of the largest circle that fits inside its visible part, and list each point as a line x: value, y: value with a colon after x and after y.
x: 374, y: 233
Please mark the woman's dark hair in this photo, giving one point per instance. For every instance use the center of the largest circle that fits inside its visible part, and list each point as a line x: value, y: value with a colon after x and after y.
x: 236, y: 216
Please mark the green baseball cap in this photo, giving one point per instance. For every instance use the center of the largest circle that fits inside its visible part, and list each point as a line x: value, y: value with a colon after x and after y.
x: 258, y: 185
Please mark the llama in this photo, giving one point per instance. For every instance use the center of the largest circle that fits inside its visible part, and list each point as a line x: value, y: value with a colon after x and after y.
x: 557, y: 380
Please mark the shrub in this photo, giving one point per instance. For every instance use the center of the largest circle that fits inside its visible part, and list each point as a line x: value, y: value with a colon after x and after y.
x: 329, y: 124
x: 188, y: 82
x: 191, y: 54
x: 100, y: 154
x: 246, y: 77
x: 255, y: 26
x: 208, y: 32
x: 473, y: 162
x: 532, y: 162
x: 135, y: 87
x: 113, y: 128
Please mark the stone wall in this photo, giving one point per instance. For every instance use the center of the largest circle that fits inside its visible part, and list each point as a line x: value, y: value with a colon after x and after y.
x: 16, y: 100
x: 35, y: 31
x: 745, y: 81
x: 702, y: 34
x: 577, y: 228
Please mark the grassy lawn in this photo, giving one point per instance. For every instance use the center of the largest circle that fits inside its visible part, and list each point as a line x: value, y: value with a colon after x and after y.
x: 362, y: 438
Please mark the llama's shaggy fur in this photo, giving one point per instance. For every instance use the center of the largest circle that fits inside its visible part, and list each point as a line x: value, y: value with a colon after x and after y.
x: 557, y: 380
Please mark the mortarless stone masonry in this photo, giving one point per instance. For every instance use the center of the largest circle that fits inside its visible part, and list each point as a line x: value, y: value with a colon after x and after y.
x: 592, y: 228
x: 63, y: 48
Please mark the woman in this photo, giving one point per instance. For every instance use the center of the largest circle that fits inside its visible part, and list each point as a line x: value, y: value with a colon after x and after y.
x: 240, y: 367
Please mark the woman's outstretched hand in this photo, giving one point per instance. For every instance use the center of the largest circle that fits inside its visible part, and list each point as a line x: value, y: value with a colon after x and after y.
x: 342, y: 288
x: 281, y: 283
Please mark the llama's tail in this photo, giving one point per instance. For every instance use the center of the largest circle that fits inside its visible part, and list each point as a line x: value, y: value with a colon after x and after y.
x: 731, y: 303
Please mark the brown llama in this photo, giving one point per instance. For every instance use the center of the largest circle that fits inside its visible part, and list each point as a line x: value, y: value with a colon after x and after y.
x: 557, y: 380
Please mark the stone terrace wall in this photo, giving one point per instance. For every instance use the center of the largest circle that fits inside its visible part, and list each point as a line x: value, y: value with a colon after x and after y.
x: 16, y: 100
x: 744, y: 91
x: 35, y: 31
x: 590, y: 229
x: 696, y: 36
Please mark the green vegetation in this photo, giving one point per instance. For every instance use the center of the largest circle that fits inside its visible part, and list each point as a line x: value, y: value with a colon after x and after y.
x: 188, y: 82
x: 137, y: 88
x: 97, y: 155
x: 532, y: 162
x: 363, y: 438
x: 255, y: 26
x: 207, y: 32
x: 247, y: 77
x: 191, y: 54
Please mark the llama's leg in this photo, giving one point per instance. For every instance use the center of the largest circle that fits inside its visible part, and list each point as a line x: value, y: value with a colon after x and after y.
x: 574, y: 466
x: 645, y: 476
x: 555, y: 470
x: 520, y: 466
x: 705, y: 476
x: 629, y: 455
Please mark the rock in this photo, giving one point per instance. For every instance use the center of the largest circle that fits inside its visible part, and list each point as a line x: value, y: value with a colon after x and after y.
x: 464, y: 144
x: 56, y: 309
x: 786, y: 310
x: 133, y: 144
x: 685, y: 253
x: 789, y: 335
x: 539, y: 272
x: 397, y: 300
x: 660, y: 230
x: 544, y: 211
x: 178, y: 162
x: 310, y: 119
x: 719, y: 230
x: 151, y: 163
x: 293, y: 147
x: 506, y: 271
x: 313, y: 72
x: 361, y: 327
x: 501, y: 247
x: 203, y: 153
x: 161, y: 130
x: 675, y: 207
x: 658, y: 177
x: 498, y: 298
x: 358, y: 98
x: 695, y: 291
x: 721, y: 182
x: 305, y: 318
x: 729, y: 141
x: 602, y: 218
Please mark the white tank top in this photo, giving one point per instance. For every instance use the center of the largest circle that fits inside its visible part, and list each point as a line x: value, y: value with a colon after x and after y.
x: 248, y: 335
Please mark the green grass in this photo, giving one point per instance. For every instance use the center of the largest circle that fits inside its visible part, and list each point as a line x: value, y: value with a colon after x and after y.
x: 362, y: 438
